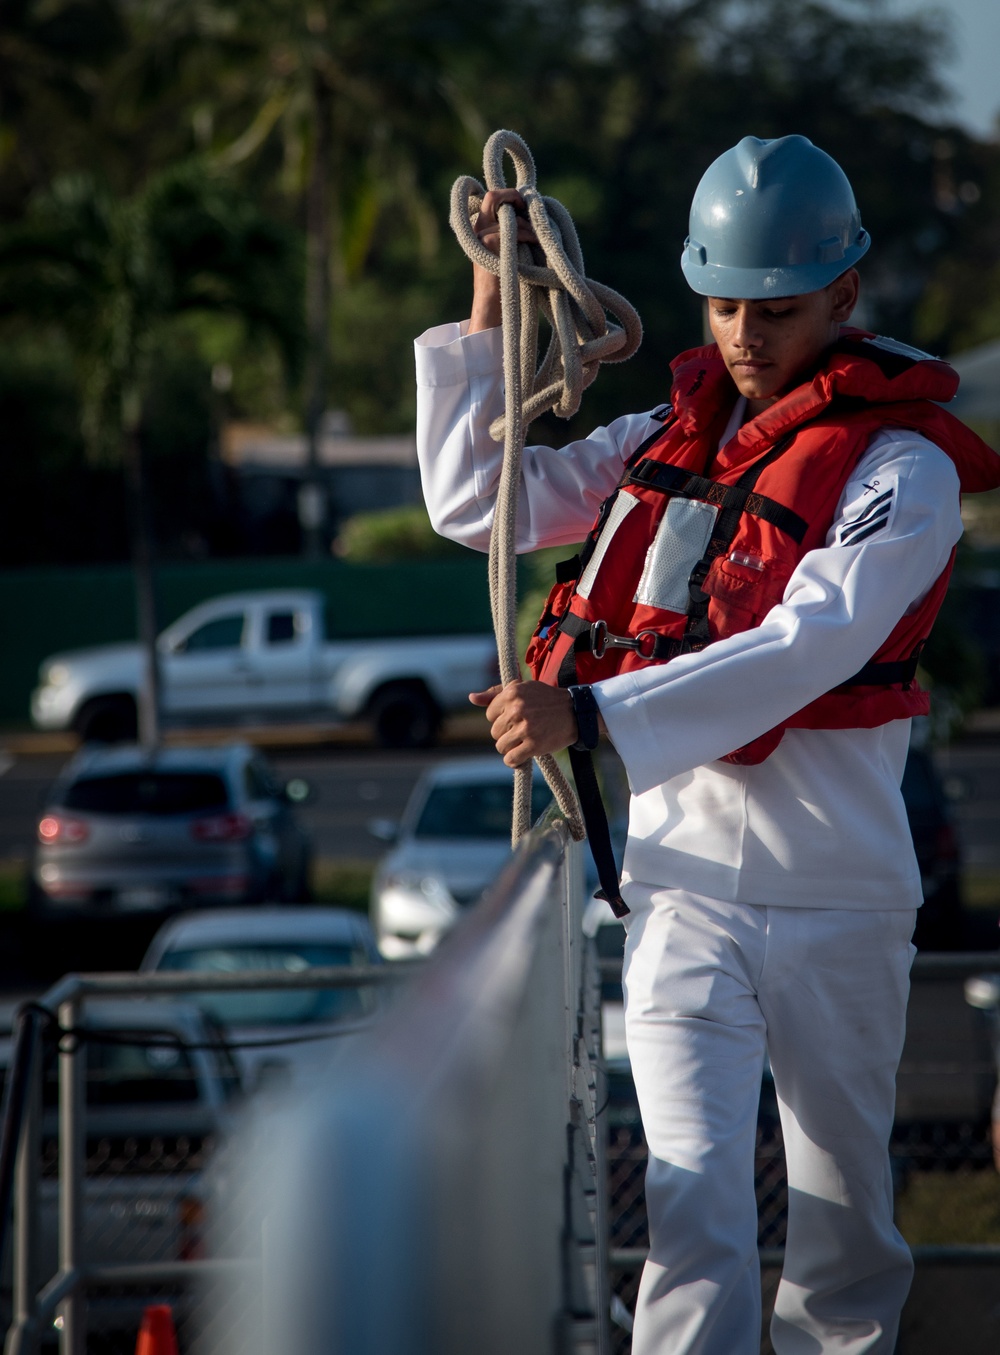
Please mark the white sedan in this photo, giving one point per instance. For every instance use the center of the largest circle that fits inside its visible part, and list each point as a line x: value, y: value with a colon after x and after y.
x: 277, y: 1034
x: 453, y: 840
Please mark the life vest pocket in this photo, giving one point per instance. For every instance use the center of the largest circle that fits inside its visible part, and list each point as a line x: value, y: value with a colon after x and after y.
x: 679, y: 543
x: 749, y: 579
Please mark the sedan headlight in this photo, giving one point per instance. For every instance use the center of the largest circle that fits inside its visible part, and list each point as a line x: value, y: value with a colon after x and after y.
x: 56, y: 675
x: 420, y: 889
x: 411, y: 912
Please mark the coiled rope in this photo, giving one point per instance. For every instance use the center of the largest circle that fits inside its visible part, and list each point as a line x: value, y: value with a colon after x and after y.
x: 582, y: 338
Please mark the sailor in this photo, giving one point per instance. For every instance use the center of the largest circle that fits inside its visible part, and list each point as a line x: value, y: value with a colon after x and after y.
x: 744, y: 624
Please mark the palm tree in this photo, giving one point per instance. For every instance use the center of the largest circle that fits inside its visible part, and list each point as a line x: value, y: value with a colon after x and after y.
x: 356, y: 90
x: 110, y: 273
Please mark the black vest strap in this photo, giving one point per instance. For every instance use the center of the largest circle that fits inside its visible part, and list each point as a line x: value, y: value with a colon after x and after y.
x: 876, y: 674
x: 598, y: 833
x: 685, y: 484
x: 726, y: 526
x: 649, y: 645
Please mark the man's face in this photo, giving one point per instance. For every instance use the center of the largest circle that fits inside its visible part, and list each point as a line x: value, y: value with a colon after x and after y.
x: 768, y: 345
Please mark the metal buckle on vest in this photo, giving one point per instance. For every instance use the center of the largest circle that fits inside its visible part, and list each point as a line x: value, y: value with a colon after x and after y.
x: 601, y: 640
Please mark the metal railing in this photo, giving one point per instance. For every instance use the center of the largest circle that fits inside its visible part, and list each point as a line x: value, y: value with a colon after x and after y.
x: 59, y: 1014
x: 463, y: 1127
x: 444, y: 1193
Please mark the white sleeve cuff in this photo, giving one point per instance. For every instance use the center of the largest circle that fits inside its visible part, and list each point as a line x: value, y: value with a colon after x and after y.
x: 447, y: 356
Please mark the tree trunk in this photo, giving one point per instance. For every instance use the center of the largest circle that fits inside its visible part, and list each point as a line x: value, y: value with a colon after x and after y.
x: 312, y: 498
x: 140, y: 523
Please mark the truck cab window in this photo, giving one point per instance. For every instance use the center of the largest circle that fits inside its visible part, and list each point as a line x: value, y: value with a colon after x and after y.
x: 225, y: 632
x: 281, y: 628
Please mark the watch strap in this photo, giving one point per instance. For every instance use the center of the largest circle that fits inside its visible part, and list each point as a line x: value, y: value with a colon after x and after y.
x: 586, y: 710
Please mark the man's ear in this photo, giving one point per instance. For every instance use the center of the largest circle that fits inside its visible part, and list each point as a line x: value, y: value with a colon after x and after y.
x: 844, y: 292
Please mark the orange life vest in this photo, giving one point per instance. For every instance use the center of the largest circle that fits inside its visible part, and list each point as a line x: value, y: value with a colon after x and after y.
x: 747, y: 513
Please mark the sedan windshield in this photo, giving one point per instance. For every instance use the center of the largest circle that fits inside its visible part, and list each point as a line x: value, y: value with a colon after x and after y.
x: 148, y: 793
x: 475, y: 811
x: 281, y: 1007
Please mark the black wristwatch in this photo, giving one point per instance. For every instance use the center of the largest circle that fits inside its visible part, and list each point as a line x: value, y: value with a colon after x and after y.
x: 586, y: 710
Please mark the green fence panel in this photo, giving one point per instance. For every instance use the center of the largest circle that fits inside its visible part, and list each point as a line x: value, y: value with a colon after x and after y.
x: 43, y: 611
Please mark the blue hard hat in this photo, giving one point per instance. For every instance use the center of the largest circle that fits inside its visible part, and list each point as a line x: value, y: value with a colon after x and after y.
x: 772, y: 218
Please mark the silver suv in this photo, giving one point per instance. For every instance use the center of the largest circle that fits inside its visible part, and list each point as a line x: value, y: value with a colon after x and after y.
x: 128, y: 830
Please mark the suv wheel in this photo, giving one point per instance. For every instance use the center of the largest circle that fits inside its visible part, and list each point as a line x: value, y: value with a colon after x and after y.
x: 404, y: 715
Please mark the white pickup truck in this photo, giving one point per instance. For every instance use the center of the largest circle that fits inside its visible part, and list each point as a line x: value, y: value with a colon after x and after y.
x: 263, y: 657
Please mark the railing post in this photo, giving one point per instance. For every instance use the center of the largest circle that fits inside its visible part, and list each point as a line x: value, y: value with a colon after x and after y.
x: 72, y: 1152
x: 22, y: 1338
x: 571, y: 991
x: 26, y: 1207
x: 602, y: 1222
x: 585, y: 1239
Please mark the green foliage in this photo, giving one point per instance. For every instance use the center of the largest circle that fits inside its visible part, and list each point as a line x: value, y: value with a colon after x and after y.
x: 158, y: 181
x: 341, y: 883
x: 110, y: 272
x: 13, y: 886
x: 393, y: 534
x: 950, y: 1209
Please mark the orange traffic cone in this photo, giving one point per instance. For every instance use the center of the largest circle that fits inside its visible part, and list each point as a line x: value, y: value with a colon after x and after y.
x: 157, y: 1335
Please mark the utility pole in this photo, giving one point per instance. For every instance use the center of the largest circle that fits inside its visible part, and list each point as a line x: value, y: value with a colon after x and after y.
x: 141, y: 525
x: 312, y: 504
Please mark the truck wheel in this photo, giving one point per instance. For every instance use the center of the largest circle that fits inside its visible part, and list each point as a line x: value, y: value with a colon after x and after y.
x: 404, y: 715
x: 108, y: 719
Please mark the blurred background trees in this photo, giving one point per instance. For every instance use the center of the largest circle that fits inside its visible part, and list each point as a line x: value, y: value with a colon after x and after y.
x: 324, y: 137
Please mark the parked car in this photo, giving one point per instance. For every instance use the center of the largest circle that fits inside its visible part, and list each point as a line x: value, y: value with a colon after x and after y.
x: 283, y: 1023
x: 264, y: 657
x: 453, y: 839
x: 156, y: 1111
x: 127, y: 830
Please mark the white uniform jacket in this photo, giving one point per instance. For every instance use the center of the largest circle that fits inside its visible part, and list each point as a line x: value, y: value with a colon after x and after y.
x: 821, y: 822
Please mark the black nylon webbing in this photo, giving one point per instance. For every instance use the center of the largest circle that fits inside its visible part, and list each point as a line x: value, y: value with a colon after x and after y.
x: 664, y: 647
x: 875, y: 674
x: 725, y: 529
x: 598, y: 833
x: 685, y: 484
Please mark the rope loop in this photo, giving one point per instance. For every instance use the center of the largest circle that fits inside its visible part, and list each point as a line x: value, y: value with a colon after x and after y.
x: 551, y: 280
x: 576, y: 307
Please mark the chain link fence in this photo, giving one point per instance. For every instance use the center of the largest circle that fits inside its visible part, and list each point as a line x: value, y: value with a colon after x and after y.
x: 160, y: 1108
x: 140, y: 1098
x: 140, y: 1174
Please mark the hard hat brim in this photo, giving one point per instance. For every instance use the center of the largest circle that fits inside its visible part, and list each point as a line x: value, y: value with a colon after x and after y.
x: 760, y: 284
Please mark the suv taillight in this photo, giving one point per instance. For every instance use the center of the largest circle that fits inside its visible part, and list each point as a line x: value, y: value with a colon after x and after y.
x: 234, y: 827
x: 947, y: 843
x: 56, y: 830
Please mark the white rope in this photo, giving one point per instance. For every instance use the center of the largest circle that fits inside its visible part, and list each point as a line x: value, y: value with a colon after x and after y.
x: 582, y: 338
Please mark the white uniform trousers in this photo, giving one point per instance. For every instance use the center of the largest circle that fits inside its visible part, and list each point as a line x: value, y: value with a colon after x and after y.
x: 709, y: 986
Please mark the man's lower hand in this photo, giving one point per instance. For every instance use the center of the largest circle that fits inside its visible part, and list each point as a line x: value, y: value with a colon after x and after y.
x: 528, y: 719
